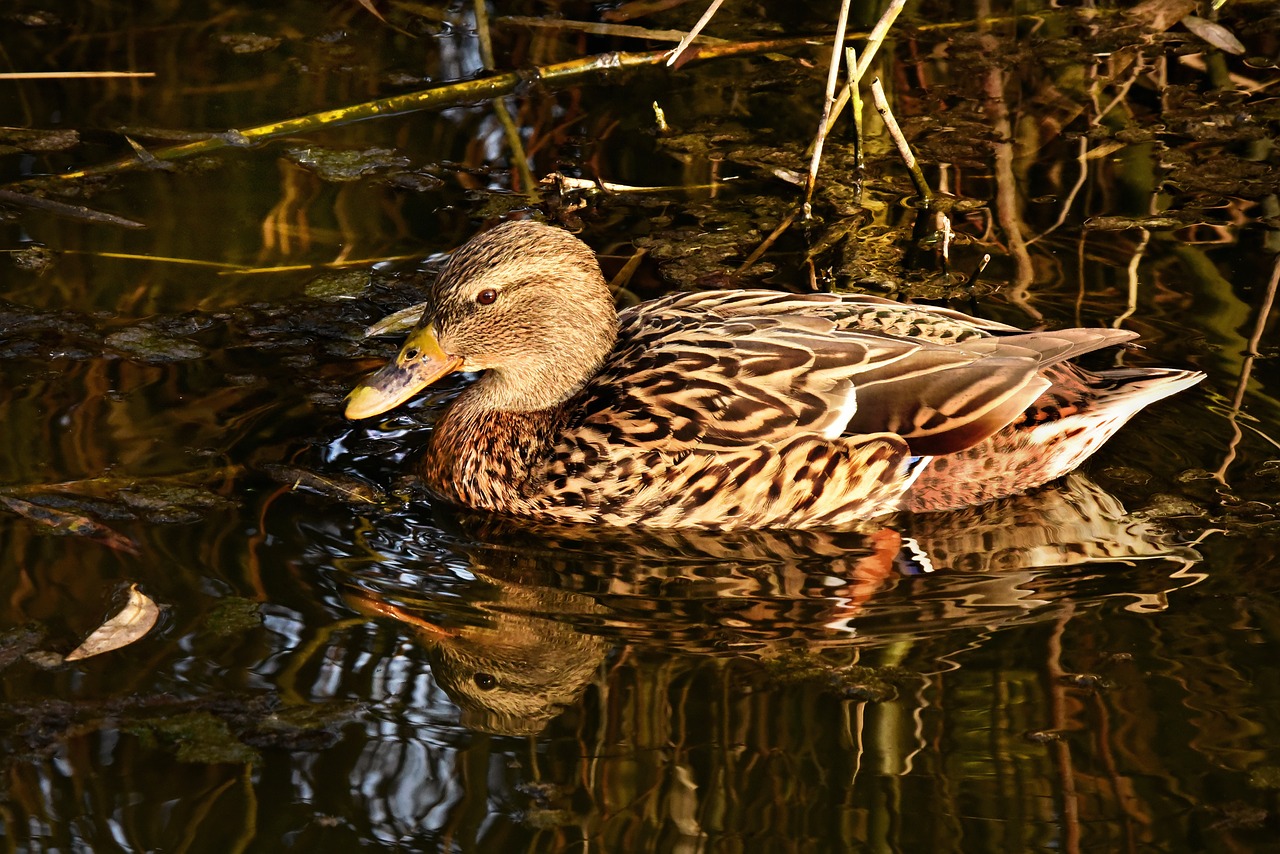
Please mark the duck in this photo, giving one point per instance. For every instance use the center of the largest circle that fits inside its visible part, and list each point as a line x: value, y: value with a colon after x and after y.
x: 733, y: 409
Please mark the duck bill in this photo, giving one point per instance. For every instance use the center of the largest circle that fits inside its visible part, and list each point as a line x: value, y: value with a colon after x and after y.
x: 421, y: 362
x: 371, y: 606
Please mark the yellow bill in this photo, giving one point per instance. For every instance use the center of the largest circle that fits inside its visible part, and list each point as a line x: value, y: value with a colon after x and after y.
x: 419, y: 363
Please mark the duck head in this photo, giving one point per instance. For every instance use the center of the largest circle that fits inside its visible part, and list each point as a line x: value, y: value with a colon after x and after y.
x: 519, y: 660
x: 525, y: 303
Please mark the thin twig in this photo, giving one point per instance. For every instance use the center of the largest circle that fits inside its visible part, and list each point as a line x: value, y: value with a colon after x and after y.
x: 693, y: 34
x: 1083, y: 158
x: 895, y: 133
x: 343, y: 264
x: 640, y: 8
x: 1134, y: 262
x: 947, y: 232
x: 566, y: 182
x: 463, y: 92
x: 833, y: 73
x: 63, y: 209
x: 158, y: 259
x: 874, y: 39
x: 878, y: 32
x: 437, y: 97
x: 622, y: 31
x: 855, y: 97
x: 482, y: 34
x: 980, y: 269
x: 1007, y: 204
x: 768, y: 241
x: 1139, y: 67
x: 1069, y: 799
x: 519, y: 159
x: 1246, y: 371
x: 147, y: 158
x: 72, y: 75
x: 618, y: 284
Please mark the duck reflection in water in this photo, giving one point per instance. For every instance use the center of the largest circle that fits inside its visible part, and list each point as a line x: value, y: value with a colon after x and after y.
x: 548, y: 604
x: 517, y: 663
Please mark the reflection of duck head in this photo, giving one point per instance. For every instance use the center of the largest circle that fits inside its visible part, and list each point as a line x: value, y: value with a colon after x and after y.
x: 515, y: 667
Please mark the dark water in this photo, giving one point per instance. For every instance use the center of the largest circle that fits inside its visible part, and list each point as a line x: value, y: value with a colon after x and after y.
x: 1092, y: 667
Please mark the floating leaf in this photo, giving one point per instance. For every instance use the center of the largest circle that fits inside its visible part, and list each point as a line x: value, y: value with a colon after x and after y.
x: 70, y: 523
x: 162, y: 501
x: 1107, y: 148
x: 1214, y: 33
x: 33, y: 259
x: 15, y: 643
x: 233, y: 617
x: 401, y: 321
x: 341, y: 487
x: 135, y: 619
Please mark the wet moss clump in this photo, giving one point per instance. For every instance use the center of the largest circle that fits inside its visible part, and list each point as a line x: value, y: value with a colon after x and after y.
x: 150, y: 345
x: 340, y: 166
x: 16, y: 643
x: 1266, y: 777
x: 848, y: 682
x: 171, y: 503
x: 307, y: 727
x: 339, y: 284
x: 198, y: 737
x: 233, y: 616
x: 33, y: 259
x: 34, y: 139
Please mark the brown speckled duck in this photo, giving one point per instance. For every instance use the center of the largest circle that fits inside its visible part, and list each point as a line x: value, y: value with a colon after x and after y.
x: 733, y: 409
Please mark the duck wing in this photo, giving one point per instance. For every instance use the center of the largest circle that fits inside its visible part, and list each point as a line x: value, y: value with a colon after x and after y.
x: 724, y: 370
x: 957, y: 407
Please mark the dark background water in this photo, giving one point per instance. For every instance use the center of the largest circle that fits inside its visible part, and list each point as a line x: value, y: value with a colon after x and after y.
x: 1071, y: 674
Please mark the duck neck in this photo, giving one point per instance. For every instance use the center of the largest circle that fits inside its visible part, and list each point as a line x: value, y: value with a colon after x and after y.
x: 482, y: 457
x: 530, y: 387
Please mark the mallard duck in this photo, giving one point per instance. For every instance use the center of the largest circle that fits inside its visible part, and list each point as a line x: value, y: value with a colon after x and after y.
x: 736, y: 408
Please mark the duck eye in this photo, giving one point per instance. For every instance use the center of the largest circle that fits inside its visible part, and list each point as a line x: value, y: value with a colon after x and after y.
x: 411, y: 354
x: 488, y: 296
x: 485, y: 681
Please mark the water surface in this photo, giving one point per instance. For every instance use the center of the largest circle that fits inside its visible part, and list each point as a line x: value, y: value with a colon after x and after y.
x: 341, y: 663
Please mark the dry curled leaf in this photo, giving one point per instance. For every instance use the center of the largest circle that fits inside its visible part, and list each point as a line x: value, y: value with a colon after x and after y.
x: 135, y: 619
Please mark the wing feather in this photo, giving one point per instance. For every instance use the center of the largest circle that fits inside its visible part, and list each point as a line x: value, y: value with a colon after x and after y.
x: 730, y: 369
